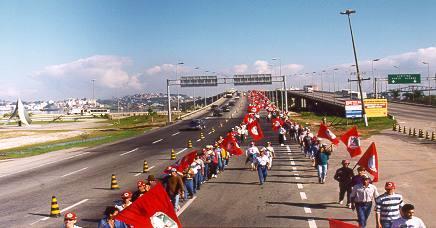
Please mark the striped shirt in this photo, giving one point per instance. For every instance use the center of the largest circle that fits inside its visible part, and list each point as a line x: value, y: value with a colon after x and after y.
x: 388, y: 206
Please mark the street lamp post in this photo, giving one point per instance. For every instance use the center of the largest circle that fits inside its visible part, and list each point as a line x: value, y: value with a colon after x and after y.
x: 373, y: 78
x: 428, y: 78
x: 348, y: 12
x: 334, y: 84
x: 205, y: 102
x: 93, y: 94
x: 178, y: 94
x: 284, y: 93
x: 322, y: 85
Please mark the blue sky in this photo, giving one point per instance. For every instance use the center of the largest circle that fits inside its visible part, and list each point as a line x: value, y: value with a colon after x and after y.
x: 52, y: 49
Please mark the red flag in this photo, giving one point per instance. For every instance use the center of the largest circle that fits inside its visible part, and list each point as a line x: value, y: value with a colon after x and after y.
x: 186, y: 161
x: 248, y: 118
x: 252, y: 109
x: 276, y: 123
x: 339, y: 224
x: 369, y: 160
x: 351, y: 140
x: 324, y: 132
x: 153, y: 209
x: 255, y: 130
x: 229, y: 144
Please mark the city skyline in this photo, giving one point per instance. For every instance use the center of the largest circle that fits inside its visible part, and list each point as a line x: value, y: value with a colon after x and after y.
x: 54, y: 49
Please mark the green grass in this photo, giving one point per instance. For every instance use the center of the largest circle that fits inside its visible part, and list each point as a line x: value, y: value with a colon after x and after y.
x: 339, y: 125
x: 89, y: 140
x: 137, y: 121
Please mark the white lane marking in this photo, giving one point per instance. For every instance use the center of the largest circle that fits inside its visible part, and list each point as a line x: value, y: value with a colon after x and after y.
x: 198, y: 140
x: 300, y: 186
x: 297, y: 178
x: 65, y: 209
x: 288, y: 148
x: 175, y: 133
x: 307, y: 210
x: 209, y: 133
x: 74, y: 172
x: 292, y: 162
x: 303, y: 196
x: 312, y: 223
x: 48, y: 163
x: 294, y: 168
x: 186, y: 205
x: 128, y: 152
x: 181, y: 151
x: 141, y: 173
x: 157, y: 141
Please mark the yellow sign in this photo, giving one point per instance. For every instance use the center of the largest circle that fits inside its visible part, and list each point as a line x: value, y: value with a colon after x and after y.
x: 376, y: 107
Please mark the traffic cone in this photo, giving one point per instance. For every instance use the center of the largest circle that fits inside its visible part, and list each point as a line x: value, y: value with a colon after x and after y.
x: 394, y: 127
x: 421, y: 134
x: 410, y: 131
x: 427, y: 135
x: 433, y: 137
x: 189, y: 144
x: 145, y: 167
x: 213, y: 129
x: 414, y: 132
x: 404, y: 130
x: 399, y: 128
x: 173, y: 155
x: 54, y: 211
x: 114, y: 183
x: 201, y: 135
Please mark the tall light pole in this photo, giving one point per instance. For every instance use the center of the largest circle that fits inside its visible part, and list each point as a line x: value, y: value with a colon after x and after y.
x: 93, y: 94
x: 205, y: 102
x: 284, y: 93
x: 178, y: 94
x: 322, y: 85
x: 428, y: 78
x: 348, y: 12
x: 373, y: 78
x: 334, y: 84
x: 193, y: 88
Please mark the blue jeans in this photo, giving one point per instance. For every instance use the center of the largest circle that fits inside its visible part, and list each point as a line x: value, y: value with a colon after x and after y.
x: 190, y: 186
x: 175, y: 201
x: 386, y: 223
x: 262, y: 172
x: 363, y: 210
x: 206, y: 172
x: 322, y: 171
x: 198, y: 179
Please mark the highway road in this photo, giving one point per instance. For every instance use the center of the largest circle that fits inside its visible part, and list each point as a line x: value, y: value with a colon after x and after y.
x: 81, y: 179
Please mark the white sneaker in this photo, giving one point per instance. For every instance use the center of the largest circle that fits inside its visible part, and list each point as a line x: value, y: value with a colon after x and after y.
x: 282, y: 144
x: 341, y: 202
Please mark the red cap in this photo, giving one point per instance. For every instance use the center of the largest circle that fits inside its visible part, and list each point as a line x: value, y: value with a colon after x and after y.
x: 70, y: 216
x: 140, y: 183
x: 126, y: 195
x: 390, y: 185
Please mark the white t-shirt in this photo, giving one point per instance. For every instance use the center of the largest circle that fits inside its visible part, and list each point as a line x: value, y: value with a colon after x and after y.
x: 252, y: 150
x: 414, y: 222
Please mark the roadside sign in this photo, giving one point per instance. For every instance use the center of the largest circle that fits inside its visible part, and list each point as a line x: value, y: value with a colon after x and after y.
x: 376, y: 107
x: 404, y: 78
x: 252, y: 79
x: 198, y: 81
x: 353, y: 109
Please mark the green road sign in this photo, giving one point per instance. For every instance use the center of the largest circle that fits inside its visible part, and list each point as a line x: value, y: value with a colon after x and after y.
x: 404, y: 78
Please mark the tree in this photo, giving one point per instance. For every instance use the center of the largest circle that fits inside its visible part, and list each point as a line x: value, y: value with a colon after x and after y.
x: 395, y: 93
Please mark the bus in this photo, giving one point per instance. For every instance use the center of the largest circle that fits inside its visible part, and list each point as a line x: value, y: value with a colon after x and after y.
x: 97, y: 111
x: 308, y: 89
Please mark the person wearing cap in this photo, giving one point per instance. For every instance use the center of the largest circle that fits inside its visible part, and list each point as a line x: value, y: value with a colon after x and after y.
x: 143, y: 187
x: 70, y: 220
x: 407, y: 219
x: 361, y: 197
x: 252, y: 152
x: 127, y: 200
x: 344, y: 175
x: 175, y: 188
x: 388, y: 206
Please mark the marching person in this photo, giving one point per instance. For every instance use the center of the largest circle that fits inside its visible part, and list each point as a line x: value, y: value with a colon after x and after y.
x: 361, y: 197
x: 344, y: 175
x: 142, y: 188
x: 127, y: 200
x: 109, y: 221
x: 262, y: 166
x: 407, y: 219
x: 151, y: 180
x: 388, y: 206
x: 270, y: 153
x: 70, y: 220
x: 322, y: 160
x: 252, y: 152
x: 282, y: 135
x: 358, y: 179
x: 175, y: 188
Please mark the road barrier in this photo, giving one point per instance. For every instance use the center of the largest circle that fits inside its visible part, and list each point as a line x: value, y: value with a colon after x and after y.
x: 173, y: 154
x: 145, y: 167
x: 420, y: 134
x: 414, y: 132
x: 399, y: 128
x: 433, y: 137
x: 404, y: 130
x: 213, y: 129
x: 427, y: 135
x: 410, y: 131
x: 394, y: 127
x: 114, y: 182
x: 189, y: 144
x: 54, y: 211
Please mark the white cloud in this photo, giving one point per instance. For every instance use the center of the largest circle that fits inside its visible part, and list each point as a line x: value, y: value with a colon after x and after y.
x: 262, y: 67
x: 292, y: 68
x: 241, y: 68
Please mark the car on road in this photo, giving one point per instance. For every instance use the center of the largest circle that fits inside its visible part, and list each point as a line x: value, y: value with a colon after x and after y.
x: 217, y: 112
x: 232, y: 103
x: 197, y: 124
x: 225, y: 108
x: 213, y: 107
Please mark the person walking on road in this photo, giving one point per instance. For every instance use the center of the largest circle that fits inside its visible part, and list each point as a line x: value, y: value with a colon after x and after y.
x: 175, y: 188
x: 388, y: 206
x: 252, y: 152
x: 282, y: 136
x: 344, y: 175
x: 358, y: 179
x: 109, y: 221
x: 127, y: 200
x: 262, y: 166
x: 142, y: 188
x: 70, y: 220
x: 322, y: 160
x: 362, y: 196
x: 269, y: 151
x: 408, y: 220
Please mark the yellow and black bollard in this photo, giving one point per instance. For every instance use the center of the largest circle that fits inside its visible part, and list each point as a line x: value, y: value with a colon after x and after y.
x: 421, y: 134
x: 145, y: 167
x: 399, y: 128
x: 410, y: 131
x: 54, y: 211
x: 414, y: 132
x: 427, y: 135
x: 433, y: 136
x: 189, y: 144
x: 201, y: 135
x: 213, y: 129
x: 114, y: 183
x: 404, y: 130
x: 394, y: 127
x: 173, y: 154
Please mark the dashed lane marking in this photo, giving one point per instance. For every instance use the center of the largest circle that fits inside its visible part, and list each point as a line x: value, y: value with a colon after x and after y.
x: 300, y: 186
x: 181, y: 151
x: 186, y: 205
x: 303, y: 196
x: 128, y: 152
x: 307, y: 210
x: 198, y: 140
x: 63, y: 210
x: 142, y: 173
x: 292, y: 162
x: 288, y: 148
x: 176, y: 133
x: 74, y: 172
x: 294, y: 168
x: 297, y: 178
x: 312, y: 223
x: 209, y: 133
x: 157, y: 141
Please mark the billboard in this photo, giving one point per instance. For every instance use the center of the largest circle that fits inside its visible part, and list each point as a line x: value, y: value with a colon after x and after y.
x: 198, y: 81
x: 252, y: 79
x: 353, y: 109
x: 376, y: 107
x: 404, y: 78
